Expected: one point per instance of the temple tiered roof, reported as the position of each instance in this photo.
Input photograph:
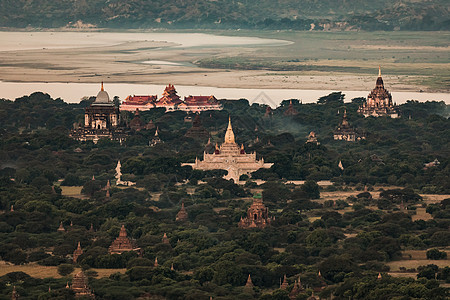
(80, 286)
(257, 215)
(379, 102)
(231, 157)
(122, 243)
(197, 131)
(347, 133)
(134, 102)
(171, 101)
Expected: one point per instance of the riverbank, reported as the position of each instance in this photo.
(234, 59)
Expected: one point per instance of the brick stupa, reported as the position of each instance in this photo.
(182, 214)
(80, 286)
(257, 215)
(122, 243)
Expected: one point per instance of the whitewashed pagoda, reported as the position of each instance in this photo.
(118, 176)
(379, 102)
(229, 156)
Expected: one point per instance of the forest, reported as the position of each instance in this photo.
(228, 14)
(341, 248)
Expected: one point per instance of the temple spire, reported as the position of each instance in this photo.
(379, 71)
(102, 87)
(123, 231)
(229, 135)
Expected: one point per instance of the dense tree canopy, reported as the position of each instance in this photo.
(349, 240)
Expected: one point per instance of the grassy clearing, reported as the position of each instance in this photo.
(38, 271)
(414, 263)
(421, 214)
(411, 259)
(72, 191)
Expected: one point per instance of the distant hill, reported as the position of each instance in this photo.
(262, 14)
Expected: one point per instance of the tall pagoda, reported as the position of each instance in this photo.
(229, 156)
(379, 102)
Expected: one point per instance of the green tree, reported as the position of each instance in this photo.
(436, 254)
(65, 269)
(311, 188)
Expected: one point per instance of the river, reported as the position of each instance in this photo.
(73, 92)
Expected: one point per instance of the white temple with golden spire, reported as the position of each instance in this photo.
(231, 157)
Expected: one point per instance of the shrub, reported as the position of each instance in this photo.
(436, 254)
(65, 269)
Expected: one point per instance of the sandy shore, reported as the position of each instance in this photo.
(123, 63)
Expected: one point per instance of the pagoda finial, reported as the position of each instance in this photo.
(379, 71)
(156, 262)
(249, 283)
(229, 135)
(79, 246)
(102, 87)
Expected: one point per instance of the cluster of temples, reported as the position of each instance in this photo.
(230, 157)
(379, 102)
(102, 120)
(171, 101)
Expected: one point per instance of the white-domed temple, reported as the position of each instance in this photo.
(101, 120)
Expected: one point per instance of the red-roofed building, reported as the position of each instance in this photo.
(200, 103)
(142, 103)
(169, 100)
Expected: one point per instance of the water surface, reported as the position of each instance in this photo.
(73, 92)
